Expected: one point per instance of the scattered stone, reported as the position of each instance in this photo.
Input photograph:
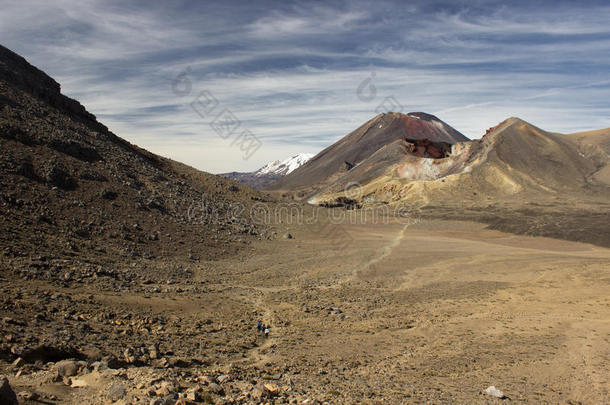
(76, 383)
(28, 395)
(223, 378)
(215, 389)
(116, 392)
(272, 389)
(166, 389)
(258, 394)
(109, 195)
(18, 363)
(153, 351)
(194, 394)
(68, 368)
(7, 395)
(206, 379)
(129, 356)
(494, 392)
(263, 391)
(288, 236)
(17, 349)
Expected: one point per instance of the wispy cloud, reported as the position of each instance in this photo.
(289, 71)
(305, 21)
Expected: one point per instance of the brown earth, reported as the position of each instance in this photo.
(425, 311)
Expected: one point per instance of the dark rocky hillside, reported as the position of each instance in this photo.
(78, 202)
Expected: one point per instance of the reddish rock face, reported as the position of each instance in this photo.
(428, 149)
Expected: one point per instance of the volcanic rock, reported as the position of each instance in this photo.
(7, 395)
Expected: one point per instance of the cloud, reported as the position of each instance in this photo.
(290, 73)
(316, 20)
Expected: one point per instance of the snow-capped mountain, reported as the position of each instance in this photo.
(286, 166)
(271, 171)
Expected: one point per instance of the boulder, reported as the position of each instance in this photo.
(68, 368)
(160, 363)
(59, 177)
(7, 395)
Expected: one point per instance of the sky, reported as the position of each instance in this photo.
(231, 85)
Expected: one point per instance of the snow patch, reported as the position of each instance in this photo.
(286, 166)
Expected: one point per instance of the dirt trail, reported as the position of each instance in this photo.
(257, 356)
(386, 251)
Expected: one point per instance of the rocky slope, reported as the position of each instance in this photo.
(595, 145)
(77, 201)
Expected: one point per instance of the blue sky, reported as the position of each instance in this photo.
(290, 71)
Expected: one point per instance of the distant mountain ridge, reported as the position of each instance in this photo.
(271, 172)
